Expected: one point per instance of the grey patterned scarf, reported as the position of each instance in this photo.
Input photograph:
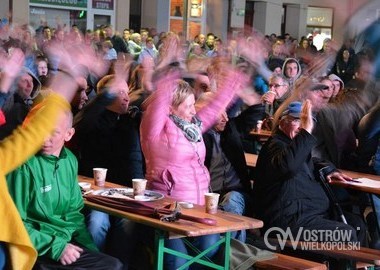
(192, 131)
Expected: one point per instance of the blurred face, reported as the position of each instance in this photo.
(202, 39)
(27, 37)
(336, 84)
(108, 31)
(144, 36)
(149, 45)
(346, 54)
(305, 43)
(60, 35)
(291, 70)
(202, 83)
(327, 47)
(210, 41)
(61, 134)
(120, 104)
(47, 33)
(290, 126)
(328, 92)
(276, 49)
(126, 35)
(80, 97)
(25, 86)
(137, 39)
(277, 70)
(42, 68)
(278, 86)
(365, 71)
(317, 99)
(96, 35)
(186, 109)
(221, 123)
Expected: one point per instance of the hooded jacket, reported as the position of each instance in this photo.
(291, 81)
(13, 152)
(334, 77)
(16, 108)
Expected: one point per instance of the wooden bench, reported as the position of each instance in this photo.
(285, 262)
(350, 257)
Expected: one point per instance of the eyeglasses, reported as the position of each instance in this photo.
(276, 85)
(293, 121)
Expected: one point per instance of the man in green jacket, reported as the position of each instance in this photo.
(48, 198)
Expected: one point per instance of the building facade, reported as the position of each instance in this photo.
(190, 17)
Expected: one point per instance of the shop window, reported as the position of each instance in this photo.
(192, 13)
(319, 24)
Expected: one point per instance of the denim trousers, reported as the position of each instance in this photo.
(3, 256)
(200, 242)
(237, 203)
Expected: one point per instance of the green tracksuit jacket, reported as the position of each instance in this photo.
(46, 193)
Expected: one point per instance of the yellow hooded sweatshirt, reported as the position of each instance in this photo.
(15, 150)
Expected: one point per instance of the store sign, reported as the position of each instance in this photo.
(102, 4)
(319, 16)
(66, 3)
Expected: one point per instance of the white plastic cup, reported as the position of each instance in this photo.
(139, 186)
(259, 125)
(211, 202)
(100, 176)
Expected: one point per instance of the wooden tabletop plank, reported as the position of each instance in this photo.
(373, 188)
(225, 221)
(262, 134)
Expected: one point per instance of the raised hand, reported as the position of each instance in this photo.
(253, 48)
(307, 116)
(73, 61)
(73, 58)
(10, 65)
(269, 97)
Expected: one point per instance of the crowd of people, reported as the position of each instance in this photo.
(178, 113)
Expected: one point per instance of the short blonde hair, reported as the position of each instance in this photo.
(181, 92)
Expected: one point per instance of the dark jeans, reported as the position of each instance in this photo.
(146, 236)
(200, 242)
(3, 255)
(87, 260)
(355, 227)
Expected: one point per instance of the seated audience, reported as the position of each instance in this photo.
(19, 104)
(171, 137)
(287, 191)
(107, 136)
(47, 195)
(225, 161)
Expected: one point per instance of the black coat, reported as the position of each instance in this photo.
(286, 189)
(106, 139)
(233, 149)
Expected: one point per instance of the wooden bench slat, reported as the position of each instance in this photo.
(366, 255)
(284, 262)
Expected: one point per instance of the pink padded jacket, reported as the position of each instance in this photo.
(174, 165)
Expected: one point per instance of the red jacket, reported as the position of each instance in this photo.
(2, 118)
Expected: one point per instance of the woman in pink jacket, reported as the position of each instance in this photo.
(171, 139)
